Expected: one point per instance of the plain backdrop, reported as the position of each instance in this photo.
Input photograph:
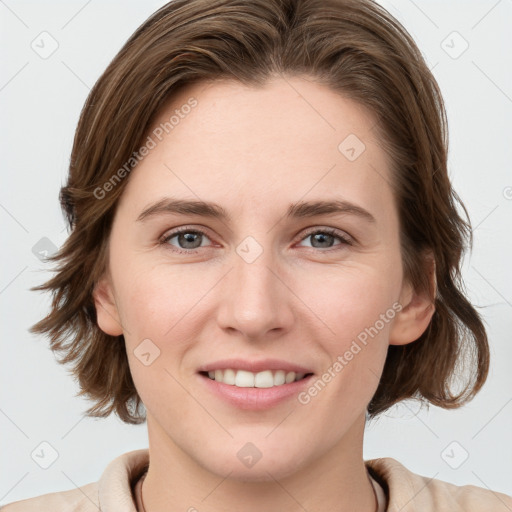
(467, 44)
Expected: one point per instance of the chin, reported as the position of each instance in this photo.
(245, 462)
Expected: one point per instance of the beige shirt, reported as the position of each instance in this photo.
(379, 494)
(403, 491)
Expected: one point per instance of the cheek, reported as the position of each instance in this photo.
(158, 301)
(357, 309)
(158, 312)
(359, 317)
(351, 300)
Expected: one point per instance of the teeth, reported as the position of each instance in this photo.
(245, 379)
(229, 377)
(279, 378)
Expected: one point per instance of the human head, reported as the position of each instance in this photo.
(353, 47)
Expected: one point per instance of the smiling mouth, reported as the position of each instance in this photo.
(246, 379)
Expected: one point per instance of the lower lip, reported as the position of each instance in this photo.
(255, 399)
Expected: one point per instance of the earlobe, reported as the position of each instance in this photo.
(106, 308)
(416, 313)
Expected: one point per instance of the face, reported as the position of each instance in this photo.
(287, 290)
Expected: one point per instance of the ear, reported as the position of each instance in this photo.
(417, 308)
(107, 313)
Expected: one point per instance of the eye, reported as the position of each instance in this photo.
(324, 238)
(187, 239)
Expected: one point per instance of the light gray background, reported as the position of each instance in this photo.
(40, 101)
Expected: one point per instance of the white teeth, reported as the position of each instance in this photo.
(264, 379)
(279, 378)
(245, 379)
(229, 377)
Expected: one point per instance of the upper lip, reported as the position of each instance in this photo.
(254, 366)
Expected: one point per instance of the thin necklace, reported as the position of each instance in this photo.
(143, 477)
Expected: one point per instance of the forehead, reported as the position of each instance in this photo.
(238, 145)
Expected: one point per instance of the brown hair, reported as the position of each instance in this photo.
(354, 47)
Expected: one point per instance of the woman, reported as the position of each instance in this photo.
(256, 336)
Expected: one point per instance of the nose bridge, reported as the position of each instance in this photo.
(255, 300)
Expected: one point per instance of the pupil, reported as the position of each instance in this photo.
(322, 237)
(189, 238)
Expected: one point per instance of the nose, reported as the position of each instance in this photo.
(255, 301)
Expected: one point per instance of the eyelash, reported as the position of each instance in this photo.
(329, 231)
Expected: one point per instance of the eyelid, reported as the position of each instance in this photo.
(171, 233)
(344, 237)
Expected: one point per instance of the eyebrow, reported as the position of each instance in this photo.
(301, 209)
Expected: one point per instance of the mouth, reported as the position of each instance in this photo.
(254, 384)
(246, 379)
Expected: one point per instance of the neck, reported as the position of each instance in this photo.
(336, 480)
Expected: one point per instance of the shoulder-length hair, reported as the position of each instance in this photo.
(356, 48)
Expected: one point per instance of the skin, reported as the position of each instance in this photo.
(300, 300)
